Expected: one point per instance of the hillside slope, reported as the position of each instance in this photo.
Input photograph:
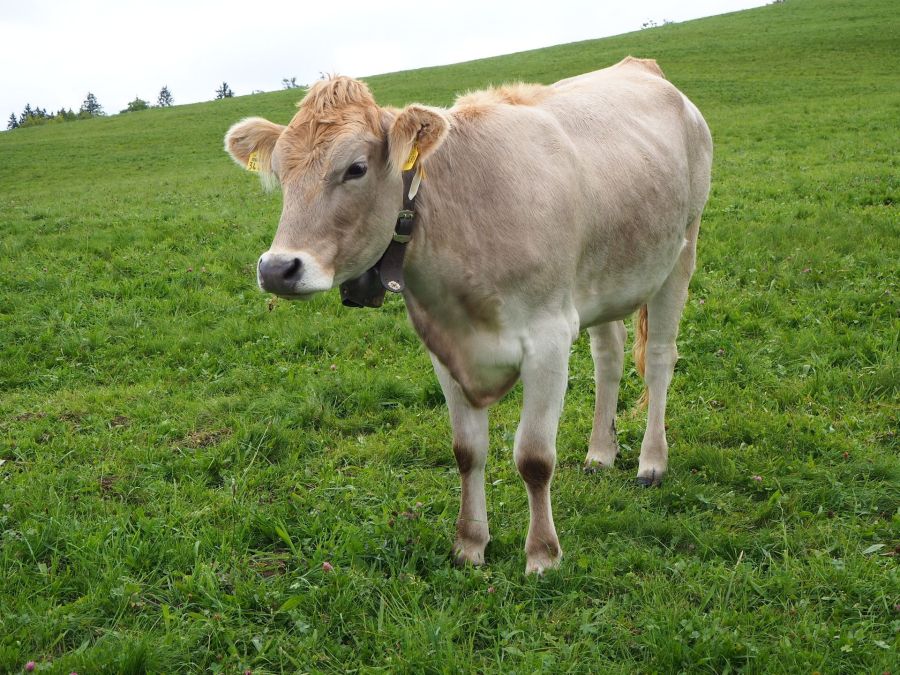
(179, 455)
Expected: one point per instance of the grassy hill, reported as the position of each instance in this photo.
(179, 455)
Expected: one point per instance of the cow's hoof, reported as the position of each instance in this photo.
(538, 564)
(465, 555)
(543, 557)
(600, 458)
(653, 480)
(592, 466)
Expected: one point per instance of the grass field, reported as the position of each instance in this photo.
(179, 455)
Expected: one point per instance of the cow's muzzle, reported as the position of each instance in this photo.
(280, 273)
(292, 274)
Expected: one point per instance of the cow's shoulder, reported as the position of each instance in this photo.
(476, 103)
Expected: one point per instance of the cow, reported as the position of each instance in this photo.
(540, 210)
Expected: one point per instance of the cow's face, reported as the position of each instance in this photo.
(339, 165)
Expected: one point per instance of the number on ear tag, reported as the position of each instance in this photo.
(252, 162)
(411, 160)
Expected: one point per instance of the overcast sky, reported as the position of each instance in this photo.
(55, 51)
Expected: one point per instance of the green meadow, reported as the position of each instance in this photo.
(180, 454)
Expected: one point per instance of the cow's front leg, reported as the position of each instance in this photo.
(544, 379)
(470, 446)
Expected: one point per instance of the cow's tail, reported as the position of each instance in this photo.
(640, 351)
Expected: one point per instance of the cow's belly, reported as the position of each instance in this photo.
(610, 292)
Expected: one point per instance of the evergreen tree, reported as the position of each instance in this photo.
(224, 91)
(27, 113)
(32, 117)
(165, 99)
(13, 122)
(91, 107)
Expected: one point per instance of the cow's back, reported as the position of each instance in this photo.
(633, 127)
(644, 153)
(585, 188)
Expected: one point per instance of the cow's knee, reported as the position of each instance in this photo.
(535, 464)
(536, 469)
(465, 458)
(472, 533)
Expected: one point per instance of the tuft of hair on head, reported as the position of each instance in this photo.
(327, 99)
(330, 107)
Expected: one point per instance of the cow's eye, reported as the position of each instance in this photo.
(356, 170)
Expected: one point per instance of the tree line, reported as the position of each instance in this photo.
(91, 107)
(164, 100)
(30, 117)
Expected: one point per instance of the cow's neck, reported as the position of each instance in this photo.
(451, 305)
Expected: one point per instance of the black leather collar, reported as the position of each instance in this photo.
(368, 289)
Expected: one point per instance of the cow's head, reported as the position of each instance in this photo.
(339, 165)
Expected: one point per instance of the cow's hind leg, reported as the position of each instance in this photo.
(470, 446)
(544, 378)
(660, 354)
(608, 350)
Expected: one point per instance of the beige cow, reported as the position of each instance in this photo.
(545, 210)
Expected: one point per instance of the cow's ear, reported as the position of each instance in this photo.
(416, 126)
(250, 143)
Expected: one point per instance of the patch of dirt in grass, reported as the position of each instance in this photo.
(119, 422)
(29, 416)
(73, 418)
(268, 567)
(205, 438)
(107, 483)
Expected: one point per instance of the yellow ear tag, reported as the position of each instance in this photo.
(411, 160)
(252, 163)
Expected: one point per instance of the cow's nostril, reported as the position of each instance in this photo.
(292, 268)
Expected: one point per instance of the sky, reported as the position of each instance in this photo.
(53, 52)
